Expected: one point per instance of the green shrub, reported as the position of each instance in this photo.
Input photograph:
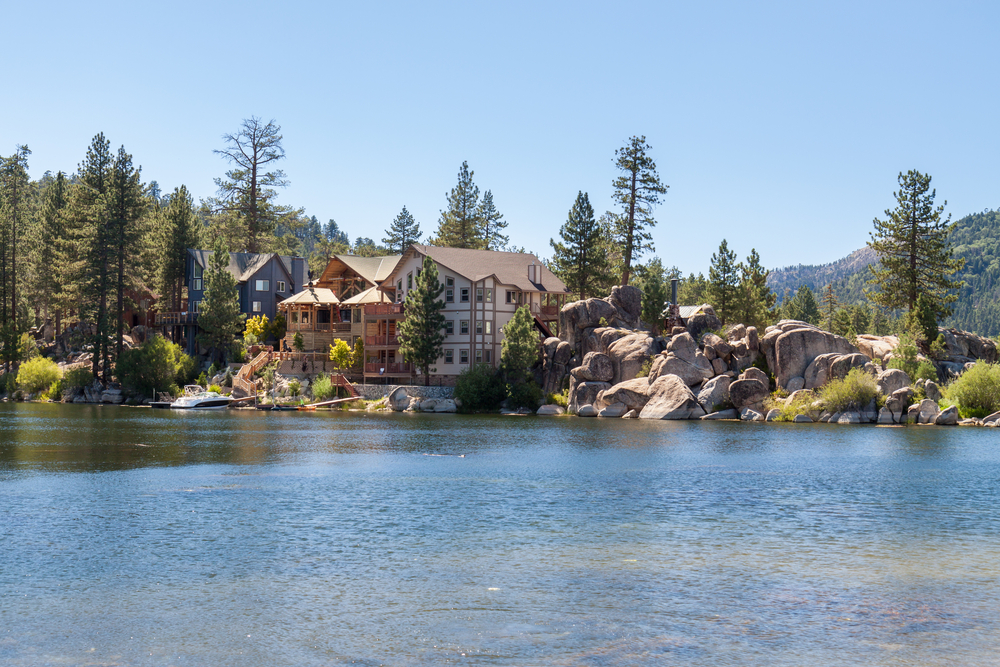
(802, 405)
(148, 368)
(216, 388)
(854, 393)
(322, 388)
(185, 366)
(646, 367)
(558, 399)
(524, 395)
(904, 357)
(38, 374)
(77, 378)
(480, 388)
(54, 392)
(976, 392)
(213, 370)
(294, 387)
(8, 383)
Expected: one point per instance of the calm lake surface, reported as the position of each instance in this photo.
(146, 537)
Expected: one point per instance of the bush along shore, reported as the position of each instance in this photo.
(607, 366)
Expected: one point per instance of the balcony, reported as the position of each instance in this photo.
(381, 341)
(383, 309)
(546, 313)
(166, 319)
(389, 369)
(335, 327)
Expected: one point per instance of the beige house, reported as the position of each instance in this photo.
(482, 290)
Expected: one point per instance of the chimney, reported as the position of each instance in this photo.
(673, 291)
(532, 270)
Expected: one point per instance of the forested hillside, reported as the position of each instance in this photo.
(975, 238)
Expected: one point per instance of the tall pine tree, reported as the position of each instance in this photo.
(127, 206)
(638, 190)
(579, 258)
(915, 257)
(47, 258)
(724, 282)
(421, 334)
(755, 301)
(180, 232)
(15, 210)
(492, 224)
(402, 233)
(460, 225)
(219, 315)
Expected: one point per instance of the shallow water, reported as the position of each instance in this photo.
(142, 537)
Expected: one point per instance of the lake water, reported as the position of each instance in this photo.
(145, 537)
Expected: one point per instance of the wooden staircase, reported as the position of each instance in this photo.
(244, 378)
(341, 381)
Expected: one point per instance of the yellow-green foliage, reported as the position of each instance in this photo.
(854, 393)
(37, 374)
(322, 388)
(558, 399)
(256, 326)
(976, 392)
(340, 354)
(802, 405)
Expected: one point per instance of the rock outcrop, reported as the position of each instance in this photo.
(671, 398)
(791, 346)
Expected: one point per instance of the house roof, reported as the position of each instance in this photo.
(370, 295)
(509, 268)
(372, 269)
(312, 296)
(242, 265)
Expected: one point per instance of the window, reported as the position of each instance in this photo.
(399, 285)
(479, 326)
(479, 295)
(409, 281)
(510, 296)
(488, 356)
(489, 327)
(281, 285)
(489, 296)
(479, 356)
(465, 295)
(463, 327)
(194, 306)
(463, 356)
(256, 309)
(196, 284)
(198, 271)
(449, 295)
(449, 356)
(262, 285)
(449, 327)
(449, 281)
(357, 315)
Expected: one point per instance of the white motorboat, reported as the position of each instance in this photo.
(201, 400)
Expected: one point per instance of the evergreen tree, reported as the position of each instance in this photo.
(802, 307)
(915, 257)
(126, 203)
(519, 349)
(754, 305)
(693, 290)
(492, 224)
(579, 259)
(724, 282)
(421, 334)
(402, 233)
(248, 191)
(829, 306)
(651, 278)
(638, 190)
(219, 315)
(15, 210)
(46, 257)
(460, 225)
(180, 229)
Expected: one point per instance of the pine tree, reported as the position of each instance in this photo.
(802, 307)
(15, 210)
(421, 334)
(127, 204)
(693, 290)
(754, 300)
(402, 233)
(247, 191)
(915, 257)
(519, 349)
(180, 232)
(492, 224)
(219, 315)
(723, 282)
(829, 306)
(579, 259)
(651, 278)
(46, 258)
(460, 225)
(638, 190)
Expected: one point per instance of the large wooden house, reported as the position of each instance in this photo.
(482, 290)
(330, 307)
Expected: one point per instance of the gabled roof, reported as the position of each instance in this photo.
(372, 269)
(509, 268)
(370, 295)
(312, 296)
(242, 265)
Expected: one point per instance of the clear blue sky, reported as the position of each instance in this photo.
(780, 126)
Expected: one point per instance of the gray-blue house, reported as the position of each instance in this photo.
(263, 280)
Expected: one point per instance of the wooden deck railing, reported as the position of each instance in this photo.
(166, 319)
(339, 380)
(381, 341)
(375, 309)
(390, 369)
